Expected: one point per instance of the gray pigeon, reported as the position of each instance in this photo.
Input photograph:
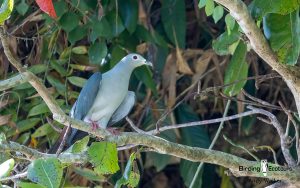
(105, 99)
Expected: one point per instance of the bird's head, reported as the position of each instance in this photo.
(136, 60)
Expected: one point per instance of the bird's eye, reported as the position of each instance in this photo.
(134, 57)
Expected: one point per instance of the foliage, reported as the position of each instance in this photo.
(72, 39)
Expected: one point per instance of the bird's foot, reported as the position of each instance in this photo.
(95, 125)
(114, 131)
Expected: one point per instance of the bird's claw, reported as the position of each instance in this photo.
(113, 131)
(95, 125)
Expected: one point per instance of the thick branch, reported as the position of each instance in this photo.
(12, 82)
(165, 147)
(291, 75)
(158, 144)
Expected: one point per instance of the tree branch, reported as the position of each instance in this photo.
(156, 143)
(13, 82)
(240, 13)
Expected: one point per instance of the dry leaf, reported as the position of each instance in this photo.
(142, 48)
(201, 64)
(142, 15)
(240, 108)
(5, 119)
(182, 65)
(169, 79)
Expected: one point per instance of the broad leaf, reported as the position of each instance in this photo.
(77, 34)
(129, 13)
(89, 174)
(209, 7)
(218, 13)
(225, 44)
(77, 81)
(22, 7)
(42, 131)
(283, 34)
(192, 136)
(5, 10)
(47, 7)
(116, 23)
(97, 52)
(27, 124)
(41, 108)
(173, 19)
(29, 185)
(130, 176)
(104, 157)
(259, 8)
(47, 172)
(6, 167)
(69, 21)
(80, 145)
(237, 70)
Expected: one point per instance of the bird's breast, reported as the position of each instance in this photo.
(111, 94)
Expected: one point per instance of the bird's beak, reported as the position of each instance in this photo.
(148, 63)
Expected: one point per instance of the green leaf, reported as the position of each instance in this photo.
(36, 69)
(283, 34)
(80, 145)
(130, 177)
(145, 75)
(2, 138)
(174, 21)
(209, 8)
(5, 10)
(116, 23)
(69, 21)
(41, 108)
(27, 124)
(218, 13)
(22, 8)
(60, 69)
(81, 50)
(47, 172)
(42, 131)
(223, 44)
(89, 174)
(29, 185)
(202, 3)
(259, 8)
(104, 157)
(191, 136)
(60, 87)
(77, 34)
(77, 81)
(236, 70)
(6, 167)
(100, 28)
(129, 13)
(60, 8)
(230, 22)
(24, 138)
(97, 52)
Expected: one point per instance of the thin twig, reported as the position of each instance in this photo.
(17, 176)
(212, 144)
(135, 127)
(240, 146)
(283, 139)
(56, 128)
(269, 148)
(290, 117)
(63, 141)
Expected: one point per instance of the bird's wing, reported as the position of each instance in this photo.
(87, 96)
(85, 101)
(124, 108)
